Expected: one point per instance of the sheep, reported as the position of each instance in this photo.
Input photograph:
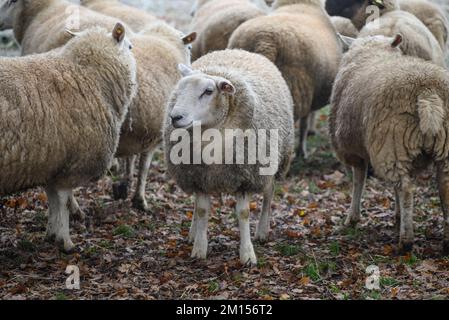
(39, 24)
(344, 27)
(61, 117)
(399, 125)
(216, 20)
(245, 93)
(158, 49)
(137, 19)
(301, 40)
(430, 14)
(418, 40)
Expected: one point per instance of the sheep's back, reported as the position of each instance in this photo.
(55, 126)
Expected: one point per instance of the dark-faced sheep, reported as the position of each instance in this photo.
(243, 94)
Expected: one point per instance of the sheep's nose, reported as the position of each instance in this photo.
(176, 118)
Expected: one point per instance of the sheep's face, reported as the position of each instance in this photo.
(200, 98)
(9, 11)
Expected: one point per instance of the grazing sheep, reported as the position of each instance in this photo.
(61, 117)
(300, 39)
(158, 50)
(137, 19)
(216, 20)
(399, 124)
(345, 27)
(229, 90)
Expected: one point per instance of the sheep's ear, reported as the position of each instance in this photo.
(378, 3)
(397, 40)
(119, 32)
(72, 33)
(189, 38)
(226, 87)
(346, 41)
(185, 70)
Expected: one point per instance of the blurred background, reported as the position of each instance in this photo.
(176, 12)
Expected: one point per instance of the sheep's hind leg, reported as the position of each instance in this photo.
(193, 226)
(202, 209)
(78, 216)
(58, 217)
(443, 186)
(121, 189)
(139, 201)
(359, 173)
(263, 229)
(301, 152)
(406, 234)
(247, 254)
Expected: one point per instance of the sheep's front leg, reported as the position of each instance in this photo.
(443, 186)
(247, 254)
(359, 178)
(303, 133)
(406, 234)
(139, 201)
(263, 229)
(200, 223)
(193, 227)
(75, 209)
(312, 124)
(58, 217)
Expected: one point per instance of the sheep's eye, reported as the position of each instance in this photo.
(207, 92)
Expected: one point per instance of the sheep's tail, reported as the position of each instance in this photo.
(431, 112)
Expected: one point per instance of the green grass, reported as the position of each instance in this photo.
(288, 250)
(213, 286)
(26, 245)
(312, 271)
(124, 230)
(334, 248)
(388, 282)
(61, 296)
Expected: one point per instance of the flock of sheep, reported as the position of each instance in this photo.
(121, 84)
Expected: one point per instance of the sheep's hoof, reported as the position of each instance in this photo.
(405, 247)
(199, 253)
(120, 190)
(352, 221)
(262, 237)
(446, 248)
(140, 204)
(311, 133)
(247, 256)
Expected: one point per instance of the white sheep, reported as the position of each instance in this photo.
(399, 124)
(61, 117)
(245, 93)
